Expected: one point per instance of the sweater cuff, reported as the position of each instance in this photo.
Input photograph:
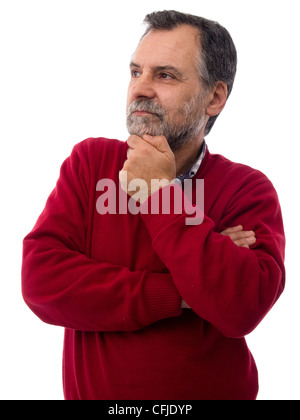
(167, 205)
(162, 298)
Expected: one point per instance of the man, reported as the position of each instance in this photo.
(156, 303)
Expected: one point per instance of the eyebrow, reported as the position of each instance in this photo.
(172, 69)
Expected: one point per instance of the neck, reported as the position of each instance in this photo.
(186, 156)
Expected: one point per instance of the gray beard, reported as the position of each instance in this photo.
(157, 124)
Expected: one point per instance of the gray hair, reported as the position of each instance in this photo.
(217, 60)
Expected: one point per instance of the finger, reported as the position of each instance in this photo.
(230, 230)
(245, 241)
(129, 151)
(133, 141)
(251, 240)
(242, 238)
(123, 179)
(249, 234)
(235, 236)
(159, 142)
(244, 234)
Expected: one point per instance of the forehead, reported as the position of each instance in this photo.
(177, 47)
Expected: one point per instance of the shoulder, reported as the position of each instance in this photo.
(237, 185)
(95, 146)
(235, 173)
(100, 152)
(246, 194)
(96, 157)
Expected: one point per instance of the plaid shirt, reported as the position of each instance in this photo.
(195, 167)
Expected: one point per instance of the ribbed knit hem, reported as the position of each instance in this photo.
(163, 299)
(162, 207)
(167, 205)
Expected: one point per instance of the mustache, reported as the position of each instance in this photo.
(146, 105)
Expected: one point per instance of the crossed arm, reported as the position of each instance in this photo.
(64, 287)
(240, 237)
(237, 292)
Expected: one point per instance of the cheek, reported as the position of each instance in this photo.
(129, 95)
(171, 104)
(174, 101)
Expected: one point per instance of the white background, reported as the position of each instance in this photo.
(63, 78)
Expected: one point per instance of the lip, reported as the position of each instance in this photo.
(142, 113)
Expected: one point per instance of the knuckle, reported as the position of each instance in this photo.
(132, 158)
(129, 152)
(241, 243)
(125, 166)
(132, 140)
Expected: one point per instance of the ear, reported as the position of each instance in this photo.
(216, 99)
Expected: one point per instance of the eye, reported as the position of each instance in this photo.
(135, 73)
(166, 76)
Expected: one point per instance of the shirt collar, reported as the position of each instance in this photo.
(195, 167)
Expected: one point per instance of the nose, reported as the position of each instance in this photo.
(142, 87)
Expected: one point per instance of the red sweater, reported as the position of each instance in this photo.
(116, 281)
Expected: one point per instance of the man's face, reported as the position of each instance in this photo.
(165, 96)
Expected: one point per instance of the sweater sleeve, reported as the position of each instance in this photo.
(231, 287)
(63, 286)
